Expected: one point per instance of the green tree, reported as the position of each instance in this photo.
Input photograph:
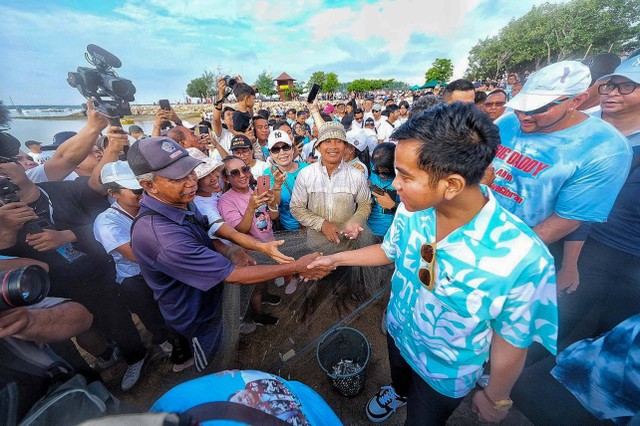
(202, 87)
(331, 83)
(317, 77)
(264, 84)
(441, 69)
(555, 32)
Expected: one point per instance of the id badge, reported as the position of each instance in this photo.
(69, 252)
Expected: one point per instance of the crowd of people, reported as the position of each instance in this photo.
(509, 212)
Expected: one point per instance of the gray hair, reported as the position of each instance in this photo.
(146, 177)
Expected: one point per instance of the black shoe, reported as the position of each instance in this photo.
(271, 299)
(265, 319)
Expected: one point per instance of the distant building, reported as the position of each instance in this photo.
(284, 83)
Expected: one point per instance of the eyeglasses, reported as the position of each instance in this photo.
(625, 88)
(494, 104)
(427, 275)
(137, 191)
(277, 149)
(237, 172)
(546, 107)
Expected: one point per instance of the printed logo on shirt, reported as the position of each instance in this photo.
(521, 161)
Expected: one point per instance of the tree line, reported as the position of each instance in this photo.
(554, 32)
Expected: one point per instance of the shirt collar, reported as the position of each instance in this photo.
(478, 227)
(172, 213)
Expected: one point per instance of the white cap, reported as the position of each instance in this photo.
(358, 138)
(208, 165)
(550, 83)
(629, 69)
(119, 172)
(278, 136)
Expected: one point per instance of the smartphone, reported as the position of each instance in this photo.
(264, 183)
(313, 93)
(164, 104)
(203, 130)
(377, 190)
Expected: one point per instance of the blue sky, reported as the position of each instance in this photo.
(163, 44)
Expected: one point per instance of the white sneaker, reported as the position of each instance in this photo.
(132, 374)
(279, 282)
(292, 286)
(166, 347)
(180, 367)
(103, 364)
(248, 327)
(384, 404)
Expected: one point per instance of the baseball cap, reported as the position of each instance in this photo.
(328, 109)
(278, 136)
(9, 145)
(369, 121)
(358, 138)
(135, 128)
(208, 165)
(377, 107)
(32, 142)
(601, 64)
(161, 156)
(119, 172)
(550, 83)
(240, 141)
(629, 69)
(331, 130)
(58, 139)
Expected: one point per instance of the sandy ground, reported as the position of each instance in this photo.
(301, 334)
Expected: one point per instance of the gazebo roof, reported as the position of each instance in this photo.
(284, 76)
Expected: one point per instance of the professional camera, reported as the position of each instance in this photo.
(9, 194)
(102, 81)
(23, 287)
(231, 82)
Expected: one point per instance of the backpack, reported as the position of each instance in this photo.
(71, 403)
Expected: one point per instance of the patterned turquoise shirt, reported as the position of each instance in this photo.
(493, 275)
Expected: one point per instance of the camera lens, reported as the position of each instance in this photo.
(23, 286)
(231, 82)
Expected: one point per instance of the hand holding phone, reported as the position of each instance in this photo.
(313, 93)
(264, 183)
(377, 190)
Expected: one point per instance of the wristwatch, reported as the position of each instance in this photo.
(499, 405)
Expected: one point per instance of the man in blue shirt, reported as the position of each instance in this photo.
(558, 167)
(471, 280)
(176, 256)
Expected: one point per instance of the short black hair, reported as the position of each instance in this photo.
(423, 103)
(279, 124)
(264, 113)
(227, 108)
(301, 112)
(493, 92)
(480, 98)
(404, 104)
(358, 111)
(460, 84)
(456, 138)
(391, 108)
(293, 110)
(242, 91)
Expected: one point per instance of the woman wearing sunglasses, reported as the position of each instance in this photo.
(252, 213)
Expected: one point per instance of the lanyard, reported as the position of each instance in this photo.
(122, 212)
(46, 195)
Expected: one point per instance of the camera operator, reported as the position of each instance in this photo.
(80, 268)
(23, 330)
(72, 152)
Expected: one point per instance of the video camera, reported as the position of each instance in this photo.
(102, 81)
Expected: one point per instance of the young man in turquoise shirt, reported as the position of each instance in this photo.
(471, 280)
